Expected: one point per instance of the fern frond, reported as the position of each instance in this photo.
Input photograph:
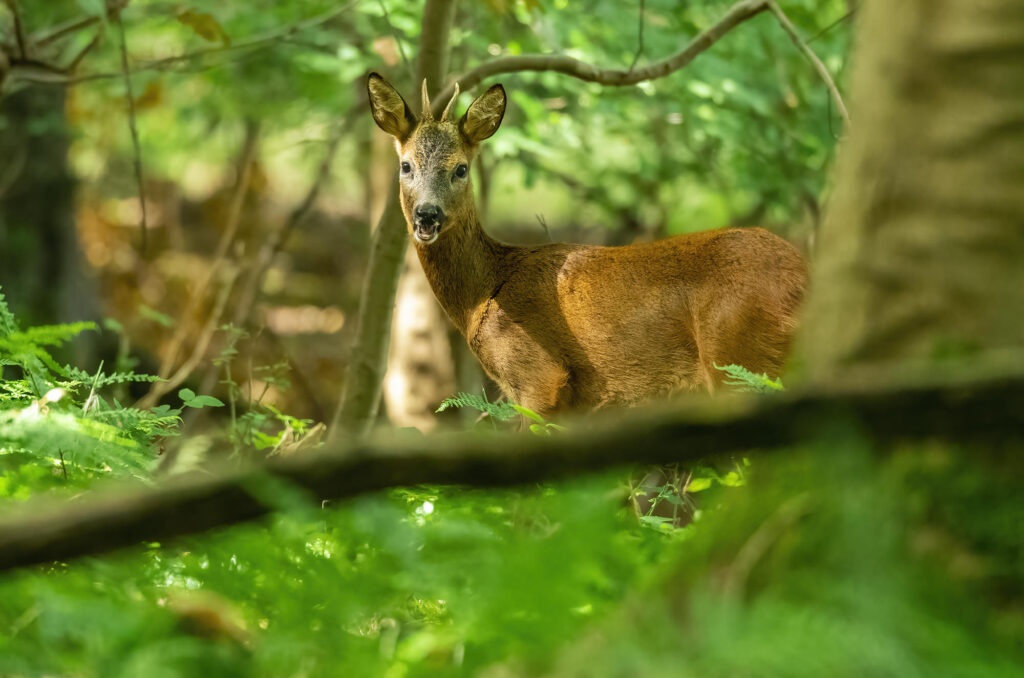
(501, 410)
(83, 377)
(55, 335)
(7, 322)
(743, 379)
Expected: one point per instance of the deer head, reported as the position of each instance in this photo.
(435, 155)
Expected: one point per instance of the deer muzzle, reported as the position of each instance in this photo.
(427, 223)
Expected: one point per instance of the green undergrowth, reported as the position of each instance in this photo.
(831, 559)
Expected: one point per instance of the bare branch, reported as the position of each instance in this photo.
(257, 42)
(41, 39)
(205, 336)
(398, 41)
(275, 240)
(48, 35)
(19, 33)
(136, 147)
(250, 148)
(849, 13)
(71, 67)
(639, 36)
(736, 15)
(984, 411)
(812, 57)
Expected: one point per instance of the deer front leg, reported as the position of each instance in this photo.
(526, 373)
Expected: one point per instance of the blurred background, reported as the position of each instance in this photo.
(264, 175)
(204, 181)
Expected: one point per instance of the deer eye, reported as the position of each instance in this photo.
(460, 171)
(406, 168)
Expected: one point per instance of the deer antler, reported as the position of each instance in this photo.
(455, 95)
(426, 114)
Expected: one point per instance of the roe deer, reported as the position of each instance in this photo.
(562, 326)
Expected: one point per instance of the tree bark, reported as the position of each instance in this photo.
(980, 410)
(41, 266)
(921, 254)
(364, 375)
(421, 370)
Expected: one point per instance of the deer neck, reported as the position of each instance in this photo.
(463, 268)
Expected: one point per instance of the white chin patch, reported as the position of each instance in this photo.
(426, 240)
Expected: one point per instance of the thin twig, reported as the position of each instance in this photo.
(274, 241)
(19, 34)
(256, 42)
(47, 35)
(199, 350)
(63, 466)
(826, 29)
(398, 41)
(544, 225)
(812, 57)
(85, 50)
(639, 36)
(64, 29)
(136, 147)
(198, 294)
(735, 15)
(758, 544)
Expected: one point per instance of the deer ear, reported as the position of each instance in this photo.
(483, 115)
(389, 109)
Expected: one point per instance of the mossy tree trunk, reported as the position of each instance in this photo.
(921, 254)
(361, 392)
(41, 268)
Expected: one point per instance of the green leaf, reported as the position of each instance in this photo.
(204, 25)
(94, 7)
(155, 316)
(186, 394)
(539, 430)
(204, 401)
(658, 523)
(698, 484)
(528, 413)
(731, 479)
(502, 411)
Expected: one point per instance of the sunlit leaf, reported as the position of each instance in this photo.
(204, 24)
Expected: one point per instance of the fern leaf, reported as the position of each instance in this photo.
(83, 377)
(743, 379)
(502, 411)
(55, 335)
(8, 324)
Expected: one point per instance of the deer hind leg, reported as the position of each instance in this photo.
(707, 375)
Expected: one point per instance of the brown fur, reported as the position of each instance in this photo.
(564, 326)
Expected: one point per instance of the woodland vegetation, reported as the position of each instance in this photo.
(238, 436)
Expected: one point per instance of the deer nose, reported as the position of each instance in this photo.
(429, 215)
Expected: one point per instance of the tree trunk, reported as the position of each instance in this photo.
(921, 255)
(364, 375)
(41, 267)
(421, 372)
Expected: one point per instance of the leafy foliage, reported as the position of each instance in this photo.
(55, 416)
(501, 410)
(743, 379)
(826, 559)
